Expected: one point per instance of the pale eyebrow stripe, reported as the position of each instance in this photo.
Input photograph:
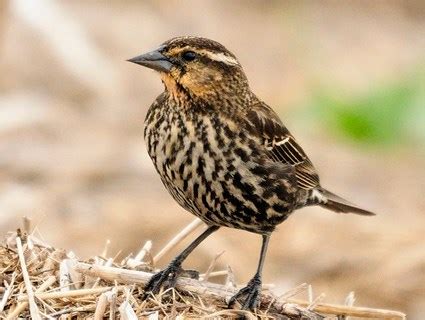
(216, 56)
(220, 57)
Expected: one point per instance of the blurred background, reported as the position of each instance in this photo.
(347, 78)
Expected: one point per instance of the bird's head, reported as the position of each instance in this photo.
(197, 67)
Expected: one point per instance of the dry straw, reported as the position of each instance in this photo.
(41, 282)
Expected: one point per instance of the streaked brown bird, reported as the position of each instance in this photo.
(223, 154)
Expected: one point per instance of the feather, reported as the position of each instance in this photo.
(335, 203)
(281, 145)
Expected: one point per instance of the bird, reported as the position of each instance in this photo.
(223, 154)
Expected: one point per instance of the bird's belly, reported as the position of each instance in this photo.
(208, 178)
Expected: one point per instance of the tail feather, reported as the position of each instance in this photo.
(335, 203)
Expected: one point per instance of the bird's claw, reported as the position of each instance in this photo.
(165, 278)
(248, 296)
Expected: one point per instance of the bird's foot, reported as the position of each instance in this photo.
(163, 279)
(248, 296)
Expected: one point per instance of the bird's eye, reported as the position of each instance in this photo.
(189, 55)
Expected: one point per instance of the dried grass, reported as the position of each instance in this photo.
(39, 281)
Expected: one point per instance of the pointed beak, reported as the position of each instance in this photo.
(154, 60)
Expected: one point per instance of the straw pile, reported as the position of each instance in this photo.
(39, 281)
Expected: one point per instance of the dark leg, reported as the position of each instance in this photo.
(168, 276)
(249, 295)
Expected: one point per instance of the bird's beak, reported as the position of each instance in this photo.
(154, 60)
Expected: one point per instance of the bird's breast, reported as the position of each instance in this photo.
(184, 149)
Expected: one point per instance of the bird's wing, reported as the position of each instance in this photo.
(281, 145)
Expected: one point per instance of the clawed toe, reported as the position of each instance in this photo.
(164, 279)
(248, 296)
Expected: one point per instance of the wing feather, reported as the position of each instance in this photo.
(281, 145)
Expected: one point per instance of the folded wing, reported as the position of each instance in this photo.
(281, 145)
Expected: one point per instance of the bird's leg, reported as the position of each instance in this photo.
(168, 276)
(249, 296)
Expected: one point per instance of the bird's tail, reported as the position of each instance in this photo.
(331, 201)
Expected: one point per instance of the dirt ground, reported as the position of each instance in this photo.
(73, 159)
